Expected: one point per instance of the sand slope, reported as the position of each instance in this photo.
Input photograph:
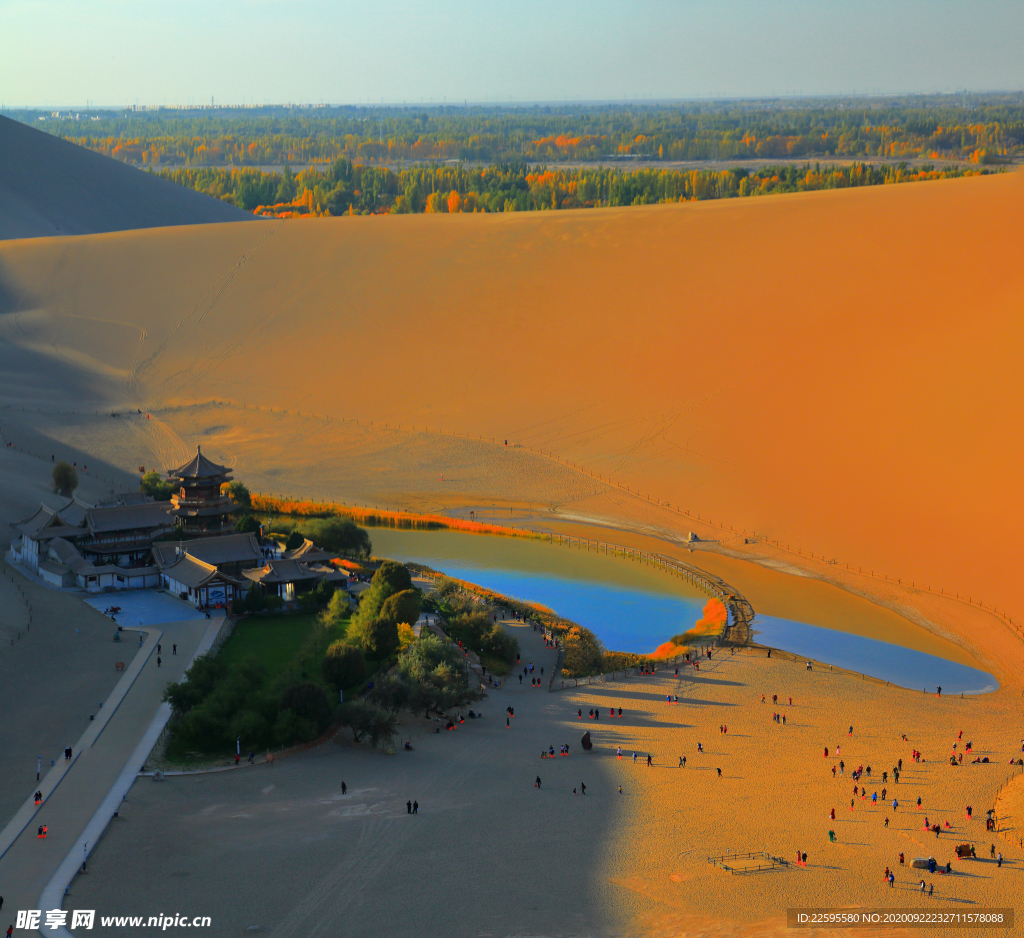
(834, 369)
(49, 186)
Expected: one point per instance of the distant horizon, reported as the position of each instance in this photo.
(143, 106)
(527, 51)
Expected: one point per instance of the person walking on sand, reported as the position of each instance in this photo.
(583, 788)
(415, 807)
(648, 760)
(892, 879)
(700, 747)
(408, 807)
(174, 649)
(719, 773)
(634, 758)
(536, 783)
(682, 762)
(618, 752)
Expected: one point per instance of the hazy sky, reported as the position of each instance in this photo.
(65, 52)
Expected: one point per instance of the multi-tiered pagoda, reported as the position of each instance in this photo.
(200, 508)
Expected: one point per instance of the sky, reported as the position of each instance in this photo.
(114, 52)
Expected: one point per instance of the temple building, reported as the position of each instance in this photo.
(290, 578)
(198, 505)
(93, 547)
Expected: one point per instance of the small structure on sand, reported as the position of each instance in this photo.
(757, 862)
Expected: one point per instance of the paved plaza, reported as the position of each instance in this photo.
(143, 607)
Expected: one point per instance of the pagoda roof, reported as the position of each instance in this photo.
(199, 468)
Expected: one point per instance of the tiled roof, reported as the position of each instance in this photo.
(281, 571)
(199, 468)
(129, 517)
(309, 553)
(227, 548)
(194, 573)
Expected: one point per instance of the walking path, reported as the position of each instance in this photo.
(82, 795)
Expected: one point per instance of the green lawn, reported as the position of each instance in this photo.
(271, 640)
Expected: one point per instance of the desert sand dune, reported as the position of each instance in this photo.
(836, 370)
(52, 187)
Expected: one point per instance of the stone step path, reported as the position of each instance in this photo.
(77, 791)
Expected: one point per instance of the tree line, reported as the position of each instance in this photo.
(982, 128)
(347, 188)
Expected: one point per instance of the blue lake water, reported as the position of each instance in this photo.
(635, 608)
(902, 666)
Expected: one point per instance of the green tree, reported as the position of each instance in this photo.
(395, 575)
(343, 665)
(295, 541)
(156, 486)
(286, 190)
(403, 607)
(247, 524)
(308, 701)
(240, 494)
(367, 719)
(65, 478)
(379, 638)
(338, 534)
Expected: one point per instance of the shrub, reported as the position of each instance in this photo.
(250, 726)
(247, 524)
(343, 666)
(290, 728)
(295, 541)
(480, 634)
(583, 652)
(338, 608)
(65, 478)
(446, 587)
(273, 603)
(253, 601)
(379, 638)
